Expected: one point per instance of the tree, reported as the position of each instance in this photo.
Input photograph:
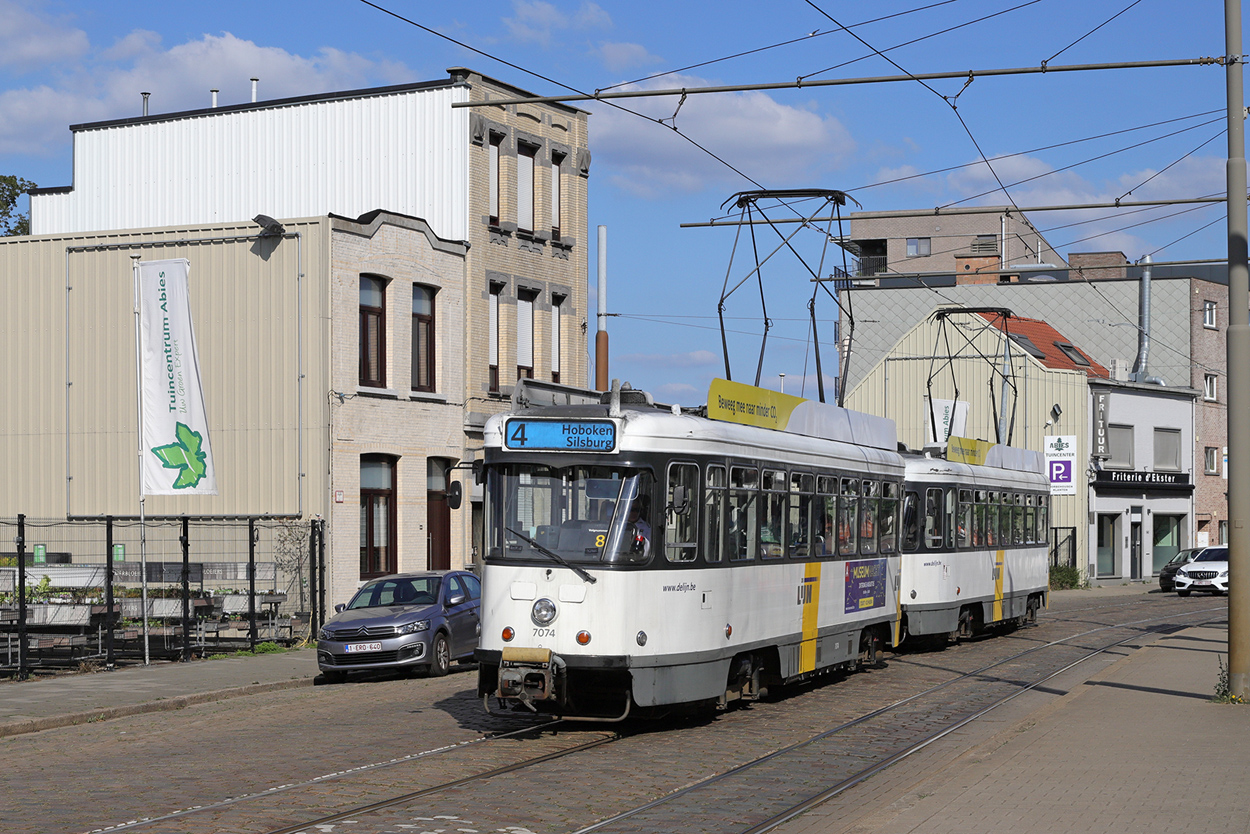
(11, 188)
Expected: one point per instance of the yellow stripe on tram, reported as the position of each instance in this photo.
(809, 598)
(998, 585)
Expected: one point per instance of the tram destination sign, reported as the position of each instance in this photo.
(560, 435)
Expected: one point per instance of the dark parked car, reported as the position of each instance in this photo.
(409, 621)
(1167, 573)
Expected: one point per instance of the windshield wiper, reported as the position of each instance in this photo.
(553, 556)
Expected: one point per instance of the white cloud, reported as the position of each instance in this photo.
(778, 145)
(30, 41)
(618, 57)
(179, 78)
(537, 21)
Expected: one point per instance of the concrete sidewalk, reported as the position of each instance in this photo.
(1138, 748)
(64, 700)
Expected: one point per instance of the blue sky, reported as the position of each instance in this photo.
(64, 62)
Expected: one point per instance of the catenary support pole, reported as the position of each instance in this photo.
(1238, 367)
(601, 334)
(313, 580)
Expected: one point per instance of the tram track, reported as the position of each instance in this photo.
(458, 793)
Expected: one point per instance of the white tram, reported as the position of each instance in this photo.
(752, 556)
(974, 542)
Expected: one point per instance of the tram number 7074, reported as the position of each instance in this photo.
(544, 632)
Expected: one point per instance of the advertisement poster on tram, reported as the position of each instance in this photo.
(865, 585)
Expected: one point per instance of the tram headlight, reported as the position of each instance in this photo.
(641, 638)
(543, 612)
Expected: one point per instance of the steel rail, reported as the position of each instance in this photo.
(860, 776)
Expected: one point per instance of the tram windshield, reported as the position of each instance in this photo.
(579, 513)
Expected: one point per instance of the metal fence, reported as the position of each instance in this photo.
(1063, 547)
(105, 587)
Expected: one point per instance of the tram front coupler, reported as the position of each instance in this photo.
(529, 675)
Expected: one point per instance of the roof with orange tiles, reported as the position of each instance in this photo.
(1048, 345)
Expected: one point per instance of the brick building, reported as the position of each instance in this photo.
(424, 257)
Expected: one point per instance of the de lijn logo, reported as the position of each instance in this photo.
(185, 455)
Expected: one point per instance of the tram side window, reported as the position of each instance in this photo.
(1017, 519)
(963, 532)
(991, 520)
(979, 514)
(887, 518)
(1004, 519)
(911, 521)
(1043, 531)
(933, 519)
(743, 511)
(868, 516)
(799, 523)
(714, 514)
(681, 520)
(848, 517)
(826, 509)
(773, 518)
(1030, 521)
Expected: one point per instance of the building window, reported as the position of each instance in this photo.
(1168, 449)
(525, 186)
(496, 142)
(1211, 460)
(918, 247)
(557, 160)
(557, 301)
(1210, 388)
(525, 334)
(372, 331)
(377, 515)
(1120, 445)
(422, 338)
(1208, 314)
(1070, 351)
(493, 327)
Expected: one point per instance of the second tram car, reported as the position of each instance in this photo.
(974, 549)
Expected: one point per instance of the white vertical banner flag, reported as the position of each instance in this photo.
(176, 456)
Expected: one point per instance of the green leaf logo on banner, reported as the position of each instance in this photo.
(184, 455)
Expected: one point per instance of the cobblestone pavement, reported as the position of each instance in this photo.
(110, 772)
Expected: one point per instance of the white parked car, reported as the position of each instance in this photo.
(1207, 572)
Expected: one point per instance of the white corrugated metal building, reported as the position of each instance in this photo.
(399, 211)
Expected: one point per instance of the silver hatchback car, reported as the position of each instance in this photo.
(410, 621)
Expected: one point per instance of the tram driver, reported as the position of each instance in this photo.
(639, 529)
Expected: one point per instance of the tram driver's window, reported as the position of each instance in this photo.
(714, 514)
(681, 516)
(933, 519)
(911, 522)
(743, 520)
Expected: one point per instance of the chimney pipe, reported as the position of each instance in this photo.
(255, 81)
(214, 92)
(1140, 366)
(601, 336)
(145, 102)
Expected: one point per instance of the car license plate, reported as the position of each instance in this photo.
(1202, 581)
(352, 648)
